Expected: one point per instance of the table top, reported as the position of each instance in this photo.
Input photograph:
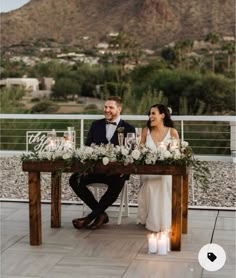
(110, 169)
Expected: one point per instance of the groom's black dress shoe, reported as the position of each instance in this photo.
(99, 221)
(81, 223)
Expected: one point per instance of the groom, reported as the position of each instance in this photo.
(101, 131)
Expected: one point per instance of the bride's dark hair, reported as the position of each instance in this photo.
(163, 110)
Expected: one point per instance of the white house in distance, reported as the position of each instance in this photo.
(30, 84)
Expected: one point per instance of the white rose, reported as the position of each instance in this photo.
(66, 155)
(162, 147)
(148, 161)
(48, 155)
(167, 154)
(184, 144)
(88, 150)
(177, 154)
(105, 160)
(135, 154)
(124, 151)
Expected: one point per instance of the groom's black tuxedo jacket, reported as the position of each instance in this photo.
(97, 132)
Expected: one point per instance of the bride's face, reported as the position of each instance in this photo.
(155, 117)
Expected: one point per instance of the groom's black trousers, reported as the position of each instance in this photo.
(79, 184)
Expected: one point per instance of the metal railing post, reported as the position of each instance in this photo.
(81, 132)
(182, 130)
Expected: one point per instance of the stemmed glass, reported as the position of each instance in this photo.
(66, 135)
(120, 138)
(138, 132)
(130, 139)
(120, 133)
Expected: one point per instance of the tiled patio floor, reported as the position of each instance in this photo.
(113, 251)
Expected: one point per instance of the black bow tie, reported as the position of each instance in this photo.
(110, 123)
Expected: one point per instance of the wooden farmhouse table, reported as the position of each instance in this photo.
(34, 169)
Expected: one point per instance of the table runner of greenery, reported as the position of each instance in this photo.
(89, 156)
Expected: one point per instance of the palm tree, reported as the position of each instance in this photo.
(188, 46)
(179, 50)
(229, 47)
(213, 39)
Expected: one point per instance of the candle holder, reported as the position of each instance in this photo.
(162, 243)
(162, 146)
(174, 144)
(71, 133)
(152, 243)
(52, 134)
(51, 140)
(167, 232)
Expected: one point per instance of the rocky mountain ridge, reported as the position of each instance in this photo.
(151, 23)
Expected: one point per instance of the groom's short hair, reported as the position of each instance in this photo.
(116, 99)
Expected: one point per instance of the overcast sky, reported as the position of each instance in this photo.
(9, 5)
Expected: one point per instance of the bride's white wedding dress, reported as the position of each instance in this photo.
(154, 197)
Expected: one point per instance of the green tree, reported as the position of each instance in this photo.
(65, 87)
(10, 100)
(53, 69)
(213, 39)
(169, 54)
(187, 46)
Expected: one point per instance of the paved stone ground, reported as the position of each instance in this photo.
(221, 191)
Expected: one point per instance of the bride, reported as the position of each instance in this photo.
(154, 197)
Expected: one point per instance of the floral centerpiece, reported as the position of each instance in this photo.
(169, 153)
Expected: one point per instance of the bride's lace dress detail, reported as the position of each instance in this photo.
(154, 197)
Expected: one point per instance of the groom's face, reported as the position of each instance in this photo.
(111, 110)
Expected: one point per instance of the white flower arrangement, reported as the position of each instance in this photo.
(165, 153)
(168, 153)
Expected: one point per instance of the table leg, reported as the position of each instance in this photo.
(56, 200)
(35, 208)
(176, 227)
(185, 205)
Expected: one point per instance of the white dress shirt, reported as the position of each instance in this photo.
(110, 129)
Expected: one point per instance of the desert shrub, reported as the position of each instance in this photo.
(35, 99)
(91, 107)
(44, 107)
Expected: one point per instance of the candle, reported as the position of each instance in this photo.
(168, 235)
(152, 243)
(162, 146)
(162, 244)
(67, 145)
(174, 144)
(71, 130)
(51, 145)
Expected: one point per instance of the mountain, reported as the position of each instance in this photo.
(151, 23)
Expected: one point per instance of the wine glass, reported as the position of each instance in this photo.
(130, 139)
(66, 135)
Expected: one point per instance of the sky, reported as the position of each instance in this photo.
(9, 5)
